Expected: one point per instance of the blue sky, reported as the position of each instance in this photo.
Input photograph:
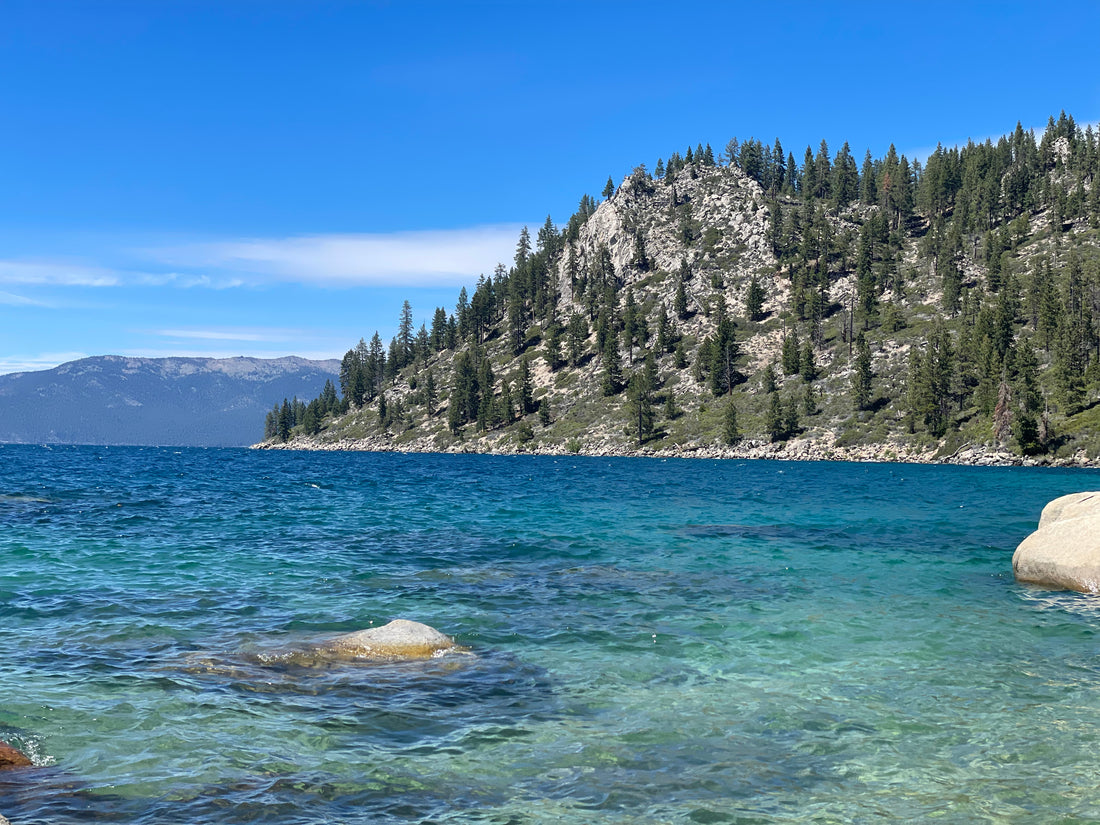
(275, 178)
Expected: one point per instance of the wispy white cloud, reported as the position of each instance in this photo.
(253, 335)
(428, 258)
(11, 299)
(56, 273)
(188, 280)
(34, 363)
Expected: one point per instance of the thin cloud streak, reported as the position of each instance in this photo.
(254, 335)
(37, 363)
(11, 299)
(428, 258)
(57, 273)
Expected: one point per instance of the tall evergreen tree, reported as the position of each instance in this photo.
(754, 300)
(526, 391)
(611, 382)
(861, 375)
(404, 349)
(577, 338)
(639, 407)
(731, 432)
(725, 352)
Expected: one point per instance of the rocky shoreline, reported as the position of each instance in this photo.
(821, 448)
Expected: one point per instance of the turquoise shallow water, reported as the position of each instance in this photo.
(654, 641)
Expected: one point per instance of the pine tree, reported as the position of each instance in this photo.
(465, 398)
(455, 415)
(526, 393)
(485, 380)
(639, 407)
(630, 325)
(868, 191)
(679, 300)
(523, 248)
(1029, 400)
(724, 353)
(861, 375)
(506, 408)
(731, 433)
(271, 424)
(552, 347)
(403, 352)
(768, 379)
(791, 353)
(578, 337)
(809, 400)
(807, 365)
(611, 382)
(790, 417)
(672, 412)
(754, 300)
(649, 369)
(774, 422)
(286, 421)
(679, 356)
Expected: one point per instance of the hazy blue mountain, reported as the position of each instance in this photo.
(206, 402)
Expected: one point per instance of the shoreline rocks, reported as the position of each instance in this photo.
(820, 446)
(1064, 551)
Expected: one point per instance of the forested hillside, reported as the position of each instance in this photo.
(761, 303)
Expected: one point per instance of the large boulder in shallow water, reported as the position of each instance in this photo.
(1064, 553)
(400, 639)
(12, 758)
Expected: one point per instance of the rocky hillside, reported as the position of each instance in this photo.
(204, 402)
(750, 305)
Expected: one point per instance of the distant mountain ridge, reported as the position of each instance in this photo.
(111, 399)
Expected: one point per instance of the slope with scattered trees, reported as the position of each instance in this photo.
(752, 303)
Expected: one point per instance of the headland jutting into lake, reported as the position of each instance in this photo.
(899, 309)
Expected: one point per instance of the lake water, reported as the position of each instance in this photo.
(652, 641)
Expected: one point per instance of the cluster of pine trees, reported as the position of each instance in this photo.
(982, 260)
(284, 418)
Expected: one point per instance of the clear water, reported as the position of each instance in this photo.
(654, 641)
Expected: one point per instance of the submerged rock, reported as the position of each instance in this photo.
(1064, 552)
(12, 758)
(400, 639)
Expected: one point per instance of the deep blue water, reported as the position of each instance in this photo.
(653, 641)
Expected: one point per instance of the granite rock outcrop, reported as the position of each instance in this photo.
(1064, 552)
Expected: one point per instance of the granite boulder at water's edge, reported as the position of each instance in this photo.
(1064, 552)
